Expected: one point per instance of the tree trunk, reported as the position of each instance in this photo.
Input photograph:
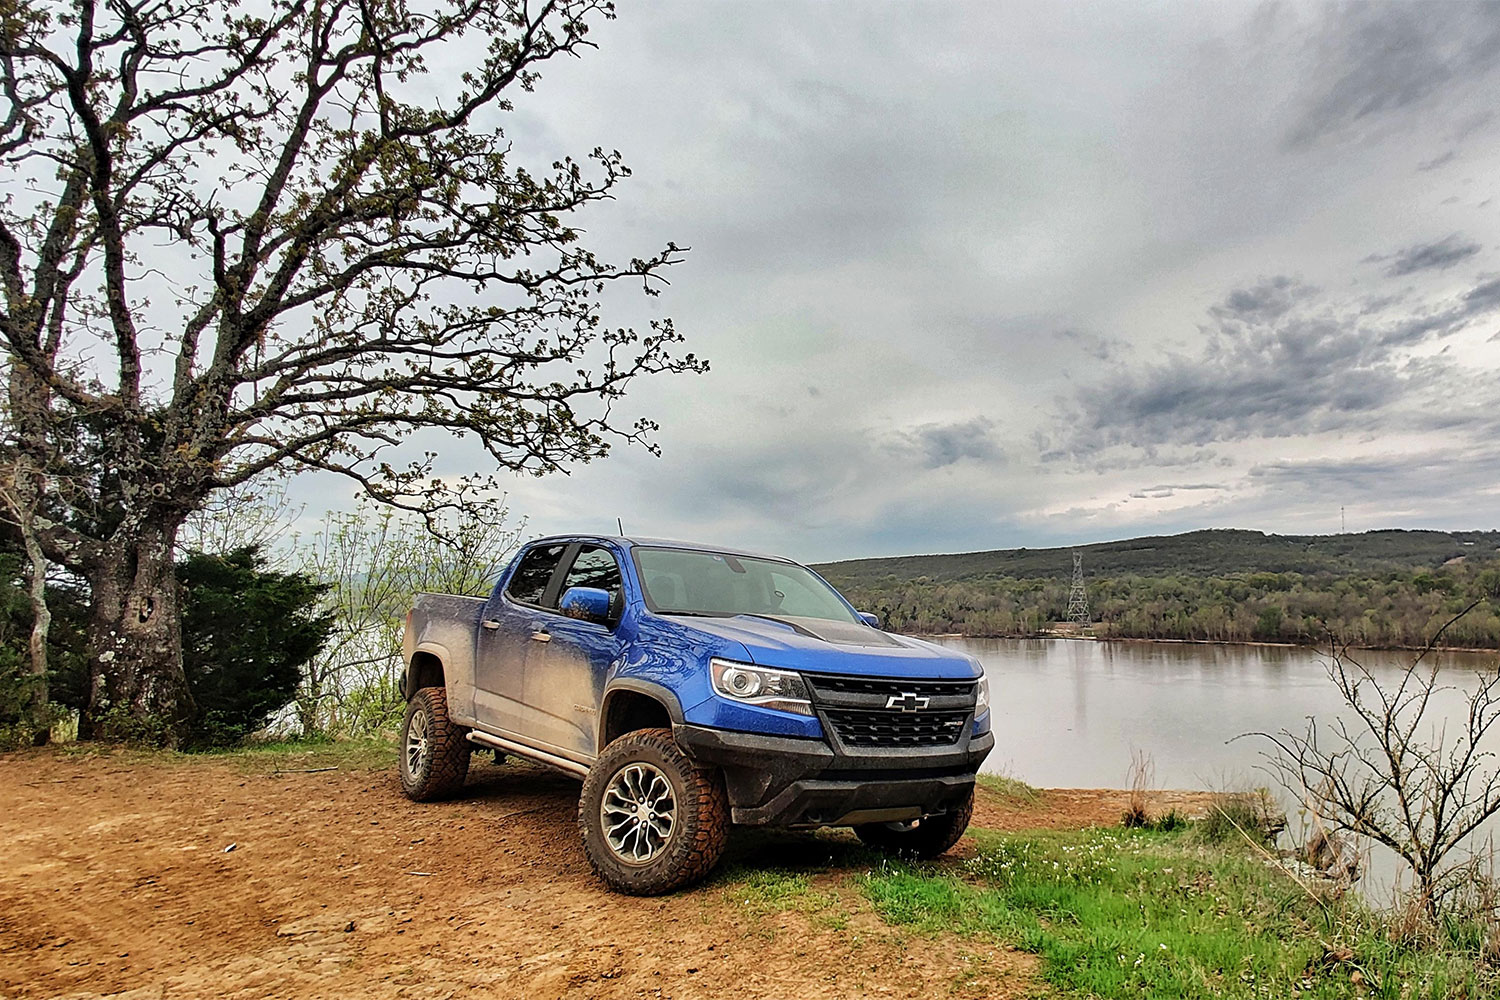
(137, 689)
(41, 624)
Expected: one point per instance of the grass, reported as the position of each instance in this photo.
(1153, 913)
(764, 891)
(1012, 789)
(260, 757)
(368, 754)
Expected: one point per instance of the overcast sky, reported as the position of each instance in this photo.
(992, 275)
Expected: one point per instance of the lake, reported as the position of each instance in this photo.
(1069, 712)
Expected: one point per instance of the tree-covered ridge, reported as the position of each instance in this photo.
(1385, 588)
(1213, 552)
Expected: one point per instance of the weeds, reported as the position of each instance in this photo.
(1142, 779)
(1012, 789)
(1233, 815)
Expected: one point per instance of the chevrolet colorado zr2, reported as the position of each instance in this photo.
(693, 688)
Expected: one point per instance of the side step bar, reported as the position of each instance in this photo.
(530, 753)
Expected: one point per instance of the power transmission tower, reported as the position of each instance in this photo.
(1078, 600)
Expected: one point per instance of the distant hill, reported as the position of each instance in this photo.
(1217, 552)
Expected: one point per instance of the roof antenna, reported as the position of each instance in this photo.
(621, 525)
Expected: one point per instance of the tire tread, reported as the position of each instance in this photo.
(704, 803)
(448, 762)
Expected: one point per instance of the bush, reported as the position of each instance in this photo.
(246, 633)
(1234, 815)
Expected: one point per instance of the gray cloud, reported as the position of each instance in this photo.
(1437, 161)
(1281, 361)
(1439, 256)
(1167, 490)
(1371, 61)
(1096, 347)
(936, 446)
(1482, 298)
(1391, 479)
(1266, 300)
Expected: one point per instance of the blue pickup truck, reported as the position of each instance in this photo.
(693, 688)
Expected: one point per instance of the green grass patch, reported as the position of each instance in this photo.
(1010, 788)
(307, 755)
(766, 890)
(252, 758)
(1153, 913)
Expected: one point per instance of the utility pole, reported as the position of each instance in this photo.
(1078, 599)
(1343, 527)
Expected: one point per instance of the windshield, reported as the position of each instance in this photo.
(688, 581)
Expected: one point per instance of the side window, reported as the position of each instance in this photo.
(596, 567)
(529, 584)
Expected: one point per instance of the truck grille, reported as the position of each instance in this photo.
(859, 728)
(856, 710)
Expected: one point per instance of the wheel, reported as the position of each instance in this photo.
(652, 820)
(434, 752)
(925, 838)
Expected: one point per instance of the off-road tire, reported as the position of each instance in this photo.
(700, 829)
(927, 839)
(441, 771)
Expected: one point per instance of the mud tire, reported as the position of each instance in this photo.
(700, 829)
(441, 770)
(927, 839)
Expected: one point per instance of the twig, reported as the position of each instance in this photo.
(302, 770)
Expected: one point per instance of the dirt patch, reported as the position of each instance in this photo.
(175, 877)
(1076, 808)
(116, 881)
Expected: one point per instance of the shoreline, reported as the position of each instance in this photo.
(1206, 642)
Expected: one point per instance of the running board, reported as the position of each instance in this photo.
(530, 753)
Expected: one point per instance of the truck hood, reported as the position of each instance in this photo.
(816, 645)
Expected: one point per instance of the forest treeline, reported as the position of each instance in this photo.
(1398, 606)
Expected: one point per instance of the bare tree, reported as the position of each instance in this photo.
(256, 514)
(239, 240)
(373, 561)
(1399, 772)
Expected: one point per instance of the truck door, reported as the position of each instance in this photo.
(509, 628)
(565, 677)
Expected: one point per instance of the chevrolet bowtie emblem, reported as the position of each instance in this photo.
(907, 701)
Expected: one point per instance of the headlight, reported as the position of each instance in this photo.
(752, 685)
(982, 704)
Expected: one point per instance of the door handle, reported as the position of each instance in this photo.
(540, 636)
(490, 624)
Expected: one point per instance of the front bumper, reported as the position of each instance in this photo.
(784, 781)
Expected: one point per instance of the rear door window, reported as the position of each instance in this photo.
(529, 584)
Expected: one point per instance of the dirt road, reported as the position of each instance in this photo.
(115, 880)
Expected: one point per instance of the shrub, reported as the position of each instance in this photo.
(246, 632)
(1234, 815)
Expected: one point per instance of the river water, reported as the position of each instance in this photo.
(1068, 712)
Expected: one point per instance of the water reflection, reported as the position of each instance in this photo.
(1068, 713)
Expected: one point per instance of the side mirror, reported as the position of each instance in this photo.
(588, 604)
(872, 620)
